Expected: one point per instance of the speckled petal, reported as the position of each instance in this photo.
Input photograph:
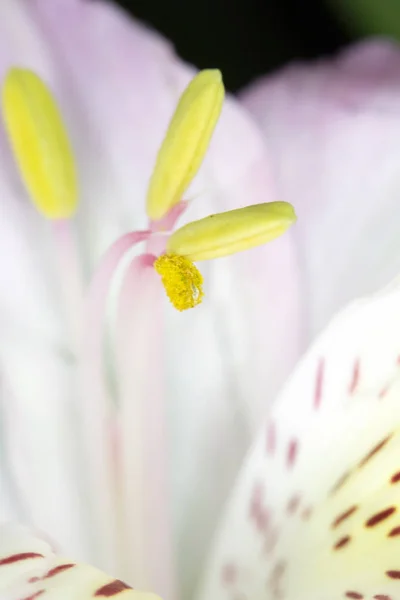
(29, 569)
(316, 511)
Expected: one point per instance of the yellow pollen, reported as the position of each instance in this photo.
(182, 280)
(40, 143)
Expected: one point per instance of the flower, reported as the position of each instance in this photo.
(107, 503)
(76, 404)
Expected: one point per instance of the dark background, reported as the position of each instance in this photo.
(244, 38)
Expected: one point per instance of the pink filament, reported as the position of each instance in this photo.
(168, 222)
(95, 405)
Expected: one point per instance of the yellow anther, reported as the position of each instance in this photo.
(186, 142)
(232, 231)
(40, 143)
(182, 281)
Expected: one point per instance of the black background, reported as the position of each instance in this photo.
(244, 38)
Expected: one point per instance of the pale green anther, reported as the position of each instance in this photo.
(40, 143)
(233, 231)
(186, 142)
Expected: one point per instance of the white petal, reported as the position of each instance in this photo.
(315, 511)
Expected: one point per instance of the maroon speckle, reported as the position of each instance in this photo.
(293, 504)
(262, 520)
(355, 378)
(355, 595)
(112, 589)
(382, 597)
(342, 542)
(36, 595)
(393, 574)
(343, 516)
(395, 478)
(340, 482)
(58, 569)
(380, 516)
(306, 513)
(374, 450)
(229, 573)
(8, 560)
(271, 438)
(275, 580)
(292, 453)
(319, 382)
(256, 497)
(271, 541)
(257, 511)
(33, 579)
(395, 531)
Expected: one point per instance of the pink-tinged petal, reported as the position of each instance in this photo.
(117, 85)
(24, 235)
(315, 512)
(37, 369)
(29, 569)
(333, 130)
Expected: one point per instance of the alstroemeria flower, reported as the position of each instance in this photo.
(83, 450)
(91, 384)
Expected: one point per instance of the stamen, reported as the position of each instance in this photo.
(186, 142)
(233, 231)
(182, 281)
(40, 143)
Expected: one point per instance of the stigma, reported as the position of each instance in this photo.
(182, 280)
